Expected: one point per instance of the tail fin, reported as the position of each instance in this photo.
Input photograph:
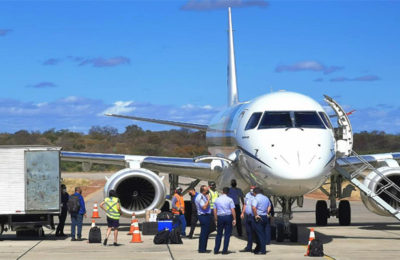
(232, 85)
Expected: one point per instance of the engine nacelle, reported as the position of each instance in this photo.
(138, 190)
(374, 182)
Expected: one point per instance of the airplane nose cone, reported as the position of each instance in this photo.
(301, 158)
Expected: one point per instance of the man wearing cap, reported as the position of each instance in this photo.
(225, 218)
(213, 196)
(204, 215)
(248, 216)
(178, 209)
(261, 206)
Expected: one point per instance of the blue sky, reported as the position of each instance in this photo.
(65, 63)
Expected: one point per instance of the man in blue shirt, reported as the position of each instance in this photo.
(248, 216)
(225, 217)
(77, 217)
(261, 207)
(204, 215)
(237, 195)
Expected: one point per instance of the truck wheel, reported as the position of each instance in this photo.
(40, 232)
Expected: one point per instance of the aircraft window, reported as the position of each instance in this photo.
(325, 119)
(308, 120)
(275, 120)
(253, 121)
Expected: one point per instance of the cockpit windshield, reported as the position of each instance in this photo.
(326, 119)
(253, 121)
(275, 120)
(288, 119)
(308, 120)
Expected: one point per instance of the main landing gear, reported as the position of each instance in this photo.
(283, 229)
(343, 212)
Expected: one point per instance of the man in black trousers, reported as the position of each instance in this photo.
(193, 218)
(64, 211)
(237, 195)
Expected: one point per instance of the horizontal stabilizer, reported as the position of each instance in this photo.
(164, 122)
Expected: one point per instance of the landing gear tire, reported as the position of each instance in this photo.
(293, 233)
(321, 213)
(280, 232)
(273, 232)
(344, 213)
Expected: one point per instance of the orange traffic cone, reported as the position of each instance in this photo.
(136, 238)
(95, 211)
(93, 223)
(311, 238)
(132, 224)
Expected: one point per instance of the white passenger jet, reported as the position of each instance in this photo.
(282, 142)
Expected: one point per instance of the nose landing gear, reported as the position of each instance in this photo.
(283, 229)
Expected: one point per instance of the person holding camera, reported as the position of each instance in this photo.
(178, 209)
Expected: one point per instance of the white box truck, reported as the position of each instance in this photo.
(29, 188)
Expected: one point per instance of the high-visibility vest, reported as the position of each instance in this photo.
(111, 206)
(180, 204)
(214, 196)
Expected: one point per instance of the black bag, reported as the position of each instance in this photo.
(161, 237)
(73, 204)
(175, 236)
(95, 235)
(149, 228)
(316, 248)
(166, 215)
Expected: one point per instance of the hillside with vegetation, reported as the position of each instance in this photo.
(135, 140)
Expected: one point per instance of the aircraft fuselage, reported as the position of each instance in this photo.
(282, 142)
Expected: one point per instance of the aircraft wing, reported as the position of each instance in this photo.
(189, 167)
(164, 122)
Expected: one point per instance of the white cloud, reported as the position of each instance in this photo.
(119, 107)
(79, 114)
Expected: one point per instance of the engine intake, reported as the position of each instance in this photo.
(374, 182)
(138, 190)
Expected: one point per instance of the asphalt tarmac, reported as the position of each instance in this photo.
(369, 237)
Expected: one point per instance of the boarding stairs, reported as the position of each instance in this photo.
(354, 172)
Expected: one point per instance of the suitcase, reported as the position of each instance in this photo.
(149, 228)
(95, 235)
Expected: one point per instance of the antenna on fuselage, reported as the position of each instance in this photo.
(232, 83)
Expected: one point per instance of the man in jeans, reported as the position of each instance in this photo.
(77, 217)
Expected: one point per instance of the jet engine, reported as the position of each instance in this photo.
(374, 182)
(138, 190)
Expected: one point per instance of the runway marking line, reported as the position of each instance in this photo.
(27, 251)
